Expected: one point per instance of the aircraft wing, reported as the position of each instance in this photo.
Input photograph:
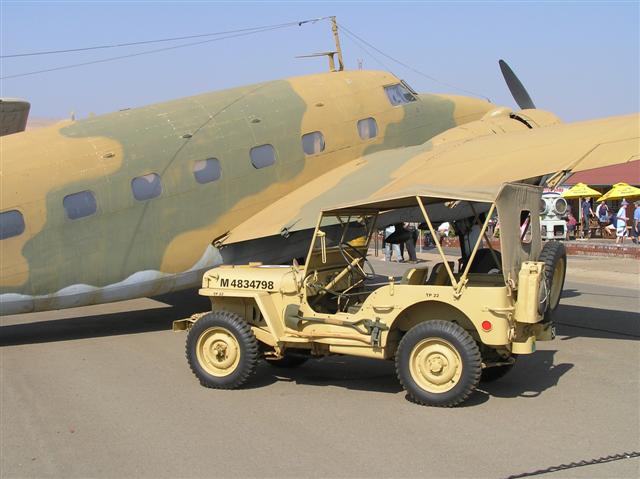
(13, 115)
(465, 163)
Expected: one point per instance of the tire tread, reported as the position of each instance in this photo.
(245, 338)
(473, 368)
(551, 253)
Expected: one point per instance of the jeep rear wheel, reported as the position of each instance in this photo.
(222, 351)
(438, 363)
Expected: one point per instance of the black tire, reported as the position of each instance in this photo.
(554, 257)
(288, 361)
(427, 340)
(493, 374)
(237, 350)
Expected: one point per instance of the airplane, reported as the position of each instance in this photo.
(126, 204)
(142, 201)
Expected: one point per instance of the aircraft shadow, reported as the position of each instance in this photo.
(585, 322)
(179, 305)
(571, 322)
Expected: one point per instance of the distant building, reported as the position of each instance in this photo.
(608, 176)
(602, 179)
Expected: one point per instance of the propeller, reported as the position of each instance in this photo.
(517, 89)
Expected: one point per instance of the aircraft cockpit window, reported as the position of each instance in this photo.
(408, 87)
(399, 94)
(262, 156)
(11, 224)
(79, 205)
(206, 171)
(313, 143)
(367, 128)
(146, 187)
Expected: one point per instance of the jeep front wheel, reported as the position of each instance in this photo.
(222, 351)
(438, 363)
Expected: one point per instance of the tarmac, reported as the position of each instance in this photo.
(105, 391)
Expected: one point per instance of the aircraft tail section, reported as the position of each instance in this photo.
(14, 113)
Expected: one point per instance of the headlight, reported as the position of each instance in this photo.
(560, 205)
(544, 206)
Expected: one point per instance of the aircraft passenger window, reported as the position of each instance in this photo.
(11, 224)
(206, 171)
(146, 187)
(367, 128)
(313, 143)
(399, 94)
(79, 205)
(262, 156)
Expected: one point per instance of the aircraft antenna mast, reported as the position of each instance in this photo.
(330, 55)
(336, 37)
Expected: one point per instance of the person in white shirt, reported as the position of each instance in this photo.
(443, 231)
(621, 222)
(389, 248)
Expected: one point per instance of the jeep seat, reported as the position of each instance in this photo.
(439, 275)
(415, 276)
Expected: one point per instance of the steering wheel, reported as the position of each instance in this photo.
(359, 266)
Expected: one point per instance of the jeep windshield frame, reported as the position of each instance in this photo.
(333, 230)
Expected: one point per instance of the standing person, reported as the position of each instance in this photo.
(490, 226)
(603, 212)
(571, 226)
(388, 231)
(443, 231)
(400, 229)
(389, 248)
(621, 222)
(636, 222)
(587, 212)
(410, 244)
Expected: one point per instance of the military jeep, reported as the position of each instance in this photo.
(447, 326)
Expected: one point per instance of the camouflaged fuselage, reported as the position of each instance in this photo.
(130, 248)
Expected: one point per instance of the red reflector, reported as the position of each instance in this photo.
(486, 325)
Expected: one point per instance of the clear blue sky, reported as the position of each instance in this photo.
(580, 59)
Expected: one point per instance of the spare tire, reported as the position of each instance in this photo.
(554, 257)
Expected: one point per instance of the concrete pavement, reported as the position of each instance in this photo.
(105, 391)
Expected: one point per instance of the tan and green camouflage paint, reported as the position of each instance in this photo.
(131, 248)
(488, 152)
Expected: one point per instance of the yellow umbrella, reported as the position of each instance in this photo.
(577, 191)
(580, 190)
(619, 191)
